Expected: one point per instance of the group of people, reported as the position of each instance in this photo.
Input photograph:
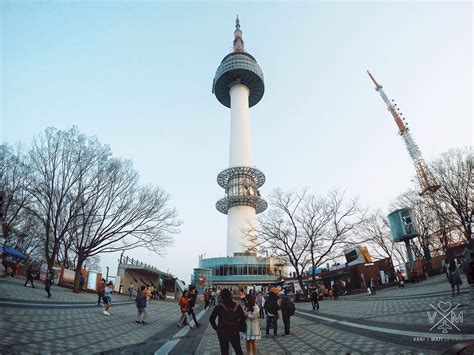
(151, 291)
(104, 293)
(11, 267)
(236, 320)
(187, 303)
(48, 278)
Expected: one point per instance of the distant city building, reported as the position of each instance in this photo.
(239, 85)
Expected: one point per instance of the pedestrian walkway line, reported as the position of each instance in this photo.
(393, 331)
(57, 305)
(170, 344)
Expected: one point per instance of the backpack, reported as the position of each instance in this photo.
(291, 308)
(229, 323)
(271, 306)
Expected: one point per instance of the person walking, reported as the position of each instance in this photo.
(100, 291)
(260, 301)
(130, 290)
(183, 305)
(372, 286)
(192, 295)
(107, 299)
(231, 321)
(141, 302)
(252, 329)
(81, 282)
(314, 298)
(48, 281)
(29, 275)
(271, 311)
(287, 310)
(454, 277)
(213, 297)
(17, 268)
(401, 283)
(335, 290)
(207, 297)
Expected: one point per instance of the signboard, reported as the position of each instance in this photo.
(68, 276)
(117, 284)
(92, 280)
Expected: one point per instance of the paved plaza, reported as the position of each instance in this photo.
(393, 321)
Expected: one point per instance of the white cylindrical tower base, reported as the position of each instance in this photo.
(240, 153)
(240, 221)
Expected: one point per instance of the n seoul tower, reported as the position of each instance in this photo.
(238, 85)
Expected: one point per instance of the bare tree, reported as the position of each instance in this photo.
(454, 170)
(330, 223)
(14, 183)
(116, 213)
(304, 229)
(280, 232)
(58, 161)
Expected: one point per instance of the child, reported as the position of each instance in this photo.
(107, 299)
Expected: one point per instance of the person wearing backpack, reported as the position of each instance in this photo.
(231, 321)
(271, 311)
(287, 310)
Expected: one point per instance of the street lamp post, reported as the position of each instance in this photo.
(107, 275)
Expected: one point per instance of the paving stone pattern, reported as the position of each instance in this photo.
(43, 328)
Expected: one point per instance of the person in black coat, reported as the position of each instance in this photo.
(192, 295)
(231, 321)
(315, 299)
(271, 311)
(286, 307)
(29, 275)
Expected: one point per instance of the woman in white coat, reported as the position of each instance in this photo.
(252, 332)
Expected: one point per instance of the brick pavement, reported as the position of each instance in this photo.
(87, 330)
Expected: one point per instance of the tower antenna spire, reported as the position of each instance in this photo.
(428, 185)
(238, 41)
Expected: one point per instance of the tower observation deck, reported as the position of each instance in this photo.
(238, 85)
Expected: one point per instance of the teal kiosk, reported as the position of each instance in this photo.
(403, 228)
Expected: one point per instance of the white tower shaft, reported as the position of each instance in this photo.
(240, 219)
(238, 85)
(240, 153)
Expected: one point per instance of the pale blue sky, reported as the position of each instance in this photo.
(138, 76)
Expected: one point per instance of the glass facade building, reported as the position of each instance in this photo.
(238, 270)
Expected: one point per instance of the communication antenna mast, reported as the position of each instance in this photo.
(428, 185)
